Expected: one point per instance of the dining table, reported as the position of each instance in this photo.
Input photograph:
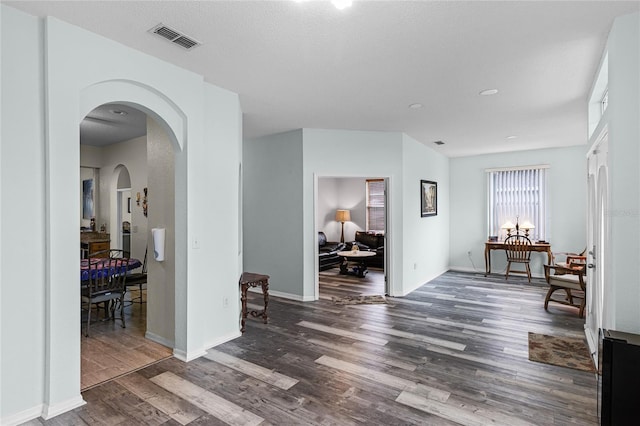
(100, 267)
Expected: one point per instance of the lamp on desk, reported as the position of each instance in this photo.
(343, 216)
(508, 227)
(527, 226)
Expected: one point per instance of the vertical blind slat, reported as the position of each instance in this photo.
(518, 194)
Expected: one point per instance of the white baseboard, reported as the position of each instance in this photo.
(406, 291)
(188, 356)
(22, 416)
(592, 342)
(289, 296)
(465, 269)
(49, 411)
(159, 339)
(475, 271)
(223, 339)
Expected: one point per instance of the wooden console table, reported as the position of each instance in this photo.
(499, 245)
(249, 279)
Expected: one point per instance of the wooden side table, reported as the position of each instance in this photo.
(249, 279)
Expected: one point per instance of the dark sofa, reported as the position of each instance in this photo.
(373, 242)
(328, 252)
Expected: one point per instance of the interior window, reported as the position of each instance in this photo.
(519, 196)
(375, 205)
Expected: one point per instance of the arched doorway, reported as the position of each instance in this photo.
(127, 172)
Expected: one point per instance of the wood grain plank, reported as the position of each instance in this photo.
(345, 333)
(268, 376)
(207, 401)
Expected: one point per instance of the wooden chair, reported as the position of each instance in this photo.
(569, 260)
(518, 250)
(105, 282)
(569, 278)
(138, 279)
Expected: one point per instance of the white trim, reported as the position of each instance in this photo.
(158, 339)
(223, 339)
(289, 296)
(592, 342)
(507, 169)
(188, 356)
(49, 411)
(418, 285)
(22, 416)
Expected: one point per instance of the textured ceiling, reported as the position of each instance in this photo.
(307, 64)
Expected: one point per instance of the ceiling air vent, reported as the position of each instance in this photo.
(175, 36)
(439, 143)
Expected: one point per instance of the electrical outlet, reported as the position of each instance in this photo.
(415, 266)
(225, 302)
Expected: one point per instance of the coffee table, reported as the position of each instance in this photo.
(358, 257)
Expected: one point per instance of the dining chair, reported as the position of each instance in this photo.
(571, 279)
(518, 250)
(107, 272)
(138, 279)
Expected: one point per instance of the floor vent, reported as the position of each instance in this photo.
(175, 37)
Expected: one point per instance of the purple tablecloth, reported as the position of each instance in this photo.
(103, 267)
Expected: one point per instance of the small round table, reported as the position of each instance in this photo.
(358, 256)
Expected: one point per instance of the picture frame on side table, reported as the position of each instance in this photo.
(428, 198)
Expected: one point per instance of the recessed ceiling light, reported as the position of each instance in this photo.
(416, 106)
(118, 112)
(488, 92)
(341, 4)
(512, 137)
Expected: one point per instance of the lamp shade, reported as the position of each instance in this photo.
(527, 225)
(508, 225)
(343, 215)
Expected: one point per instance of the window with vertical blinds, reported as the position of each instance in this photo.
(375, 205)
(518, 194)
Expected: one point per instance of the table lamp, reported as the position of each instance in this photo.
(527, 226)
(343, 216)
(508, 226)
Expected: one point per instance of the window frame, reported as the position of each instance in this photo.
(378, 219)
(538, 216)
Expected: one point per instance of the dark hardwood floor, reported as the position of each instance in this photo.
(452, 352)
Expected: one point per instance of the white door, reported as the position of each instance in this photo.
(597, 237)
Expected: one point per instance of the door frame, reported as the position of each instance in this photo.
(388, 249)
(597, 316)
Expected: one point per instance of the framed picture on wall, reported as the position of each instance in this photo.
(428, 198)
(87, 199)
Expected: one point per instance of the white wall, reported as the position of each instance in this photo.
(425, 248)
(327, 206)
(22, 180)
(566, 204)
(269, 171)
(64, 72)
(341, 193)
(272, 216)
(623, 290)
(161, 283)
(131, 154)
(404, 162)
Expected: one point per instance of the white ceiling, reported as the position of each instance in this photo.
(307, 64)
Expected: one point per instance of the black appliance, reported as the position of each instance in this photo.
(619, 381)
